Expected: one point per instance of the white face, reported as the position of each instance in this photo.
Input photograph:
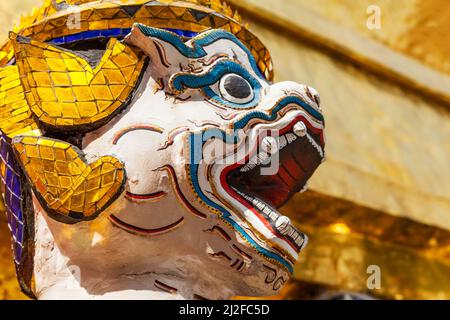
(204, 179)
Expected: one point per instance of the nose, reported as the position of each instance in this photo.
(313, 95)
(287, 88)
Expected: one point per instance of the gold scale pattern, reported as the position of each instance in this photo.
(49, 87)
(68, 185)
(15, 114)
(66, 91)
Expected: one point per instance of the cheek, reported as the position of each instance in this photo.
(139, 151)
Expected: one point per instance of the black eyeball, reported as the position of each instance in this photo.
(236, 89)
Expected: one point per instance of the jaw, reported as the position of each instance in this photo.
(252, 182)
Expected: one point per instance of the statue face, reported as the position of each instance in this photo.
(210, 150)
(159, 164)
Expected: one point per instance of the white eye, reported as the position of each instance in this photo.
(236, 89)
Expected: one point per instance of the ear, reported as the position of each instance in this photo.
(70, 189)
(164, 57)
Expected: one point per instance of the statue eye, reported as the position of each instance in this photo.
(236, 89)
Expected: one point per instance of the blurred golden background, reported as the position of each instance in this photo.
(383, 196)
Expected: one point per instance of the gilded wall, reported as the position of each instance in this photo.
(382, 197)
(415, 27)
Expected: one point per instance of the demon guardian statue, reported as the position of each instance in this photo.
(144, 151)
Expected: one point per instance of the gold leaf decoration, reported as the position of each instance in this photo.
(64, 181)
(64, 91)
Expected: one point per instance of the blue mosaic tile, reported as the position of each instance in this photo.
(12, 196)
(91, 34)
(73, 37)
(110, 33)
(113, 33)
(58, 41)
(183, 33)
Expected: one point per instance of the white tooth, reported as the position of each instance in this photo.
(251, 166)
(273, 215)
(267, 210)
(262, 157)
(253, 160)
(239, 192)
(270, 145)
(283, 142)
(291, 137)
(291, 232)
(315, 145)
(300, 129)
(282, 224)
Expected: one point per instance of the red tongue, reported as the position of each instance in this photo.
(298, 161)
(270, 189)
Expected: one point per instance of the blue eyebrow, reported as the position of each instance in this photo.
(274, 112)
(195, 81)
(198, 43)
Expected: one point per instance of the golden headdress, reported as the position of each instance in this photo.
(56, 18)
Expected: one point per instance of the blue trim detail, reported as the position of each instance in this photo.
(13, 198)
(226, 215)
(195, 81)
(283, 103)
(91, 34)
(73, 37)
(183, 33)
(112, 33)
(197, 50)
(108, 33)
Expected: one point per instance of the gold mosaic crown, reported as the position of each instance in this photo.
(52, 6)
(57, 19)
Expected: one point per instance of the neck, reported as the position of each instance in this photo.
(59, 276)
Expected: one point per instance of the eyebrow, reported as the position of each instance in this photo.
(198, 43)
(151, 128)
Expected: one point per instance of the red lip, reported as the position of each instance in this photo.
(298, 161)
(149, 196)
(141, 231)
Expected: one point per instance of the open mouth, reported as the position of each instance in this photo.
(298, 149)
